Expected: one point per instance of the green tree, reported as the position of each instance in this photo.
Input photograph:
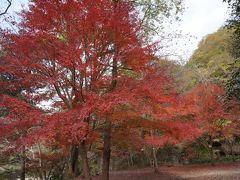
(233, 83)
(211, 60)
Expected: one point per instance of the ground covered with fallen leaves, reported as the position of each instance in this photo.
(224, 171)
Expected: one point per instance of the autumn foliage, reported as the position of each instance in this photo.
(87, 59)
(216, 116)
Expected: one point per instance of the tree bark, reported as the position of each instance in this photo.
(23, 165)
(142, 158)
(83, 154)
(108, 124)
(74, 160)
(43, 174)
(131, 159)
(231, 149)
(106, 151)
(155, 161)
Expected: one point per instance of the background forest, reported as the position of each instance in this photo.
(85, 88)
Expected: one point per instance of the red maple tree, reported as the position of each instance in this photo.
(74, 53)
(17, 127)
(217, 118)
(88, 59)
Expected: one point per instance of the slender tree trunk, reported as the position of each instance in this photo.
(43, 175)
(23, 165)
(106, 151)
(231, 149)
(155, 161)
(23, 170)
(211, 151)
(148, 157)
(142, 158)
(128, 161)
(131, 159)
(83, 154)
(211, 156)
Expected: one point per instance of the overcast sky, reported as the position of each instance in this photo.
(201, 17)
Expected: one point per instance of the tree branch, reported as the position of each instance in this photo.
(6, 10)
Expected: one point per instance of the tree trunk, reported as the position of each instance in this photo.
(106, 151)
(211, 156)
(23, 165)
(131, 159)
(108, 124)
(231, 149)
(43, 175)
(155, 161)
(211, 151)
(83, 154)
(142, 158)
(74, 161)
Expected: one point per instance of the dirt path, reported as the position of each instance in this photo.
(227, 171)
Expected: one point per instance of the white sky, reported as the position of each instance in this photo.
(201, 17)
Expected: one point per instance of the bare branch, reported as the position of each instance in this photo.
(6, 10)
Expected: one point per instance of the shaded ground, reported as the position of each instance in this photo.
(227, 171)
